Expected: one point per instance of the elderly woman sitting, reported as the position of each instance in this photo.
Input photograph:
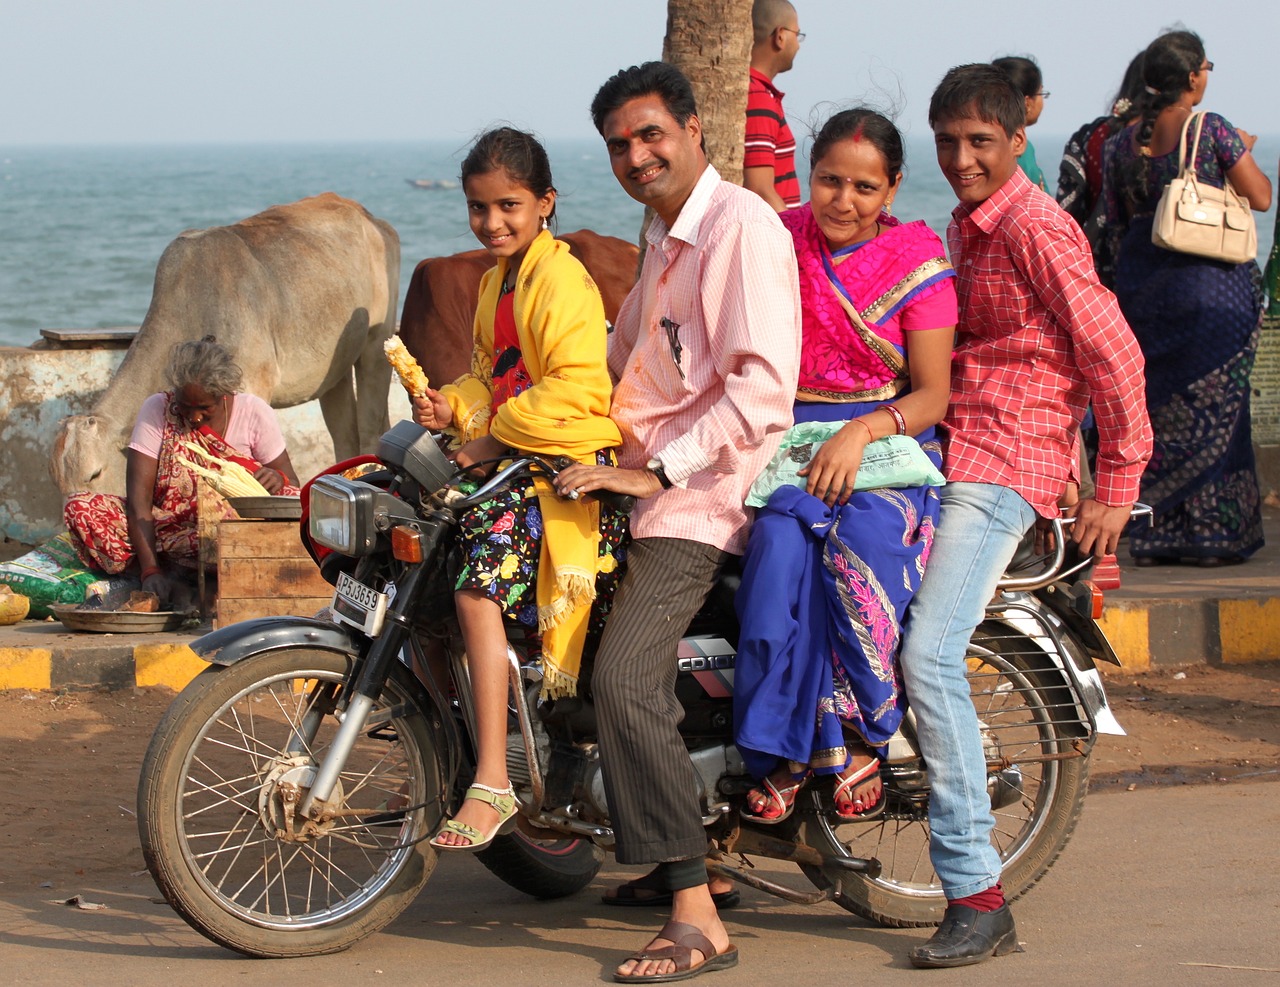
(156, 523)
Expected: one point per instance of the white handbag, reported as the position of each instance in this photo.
(1193, 217)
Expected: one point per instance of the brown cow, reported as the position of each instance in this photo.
(440, 305)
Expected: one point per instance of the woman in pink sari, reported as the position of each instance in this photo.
(156, 524)
(828, 572)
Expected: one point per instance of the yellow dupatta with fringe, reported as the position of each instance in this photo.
(560, 324)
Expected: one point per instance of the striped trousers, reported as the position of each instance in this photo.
(650, 782)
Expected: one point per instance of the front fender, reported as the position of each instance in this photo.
(228, 645)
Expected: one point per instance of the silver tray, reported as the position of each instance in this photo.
(267, 508)
(121, 621)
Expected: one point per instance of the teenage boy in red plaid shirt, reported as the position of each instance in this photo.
(1038, 339)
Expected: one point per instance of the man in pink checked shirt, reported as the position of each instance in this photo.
(705, 357)
(1038, 339)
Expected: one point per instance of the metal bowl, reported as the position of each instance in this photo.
(121, 621)
(267, 508)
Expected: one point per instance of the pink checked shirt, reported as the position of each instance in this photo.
(1038, 339)
(725, 273)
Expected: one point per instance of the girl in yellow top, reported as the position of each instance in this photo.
(539, 382)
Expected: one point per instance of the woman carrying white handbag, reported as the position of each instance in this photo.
(1196, 317)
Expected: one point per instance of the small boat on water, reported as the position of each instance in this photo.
(432, 183)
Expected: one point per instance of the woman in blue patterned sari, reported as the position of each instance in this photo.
(828, 572)
(1196, 320)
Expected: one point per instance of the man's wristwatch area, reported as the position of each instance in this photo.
(654, 466)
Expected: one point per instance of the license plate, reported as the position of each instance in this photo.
(359, 605)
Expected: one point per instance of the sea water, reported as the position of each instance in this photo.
(82, 228)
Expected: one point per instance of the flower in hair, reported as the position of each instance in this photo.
(1121, 107)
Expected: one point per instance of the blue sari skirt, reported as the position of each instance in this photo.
(823, 597)
(1197, 322)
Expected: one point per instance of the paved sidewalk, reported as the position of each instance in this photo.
(1167, 615)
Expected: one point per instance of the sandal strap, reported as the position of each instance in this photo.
(863, 774)
(502, 800)
(461, 829)
(685, 938)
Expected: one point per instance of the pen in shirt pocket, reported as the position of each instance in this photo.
(673, 341)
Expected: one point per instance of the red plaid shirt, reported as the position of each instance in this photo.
(1038, 339)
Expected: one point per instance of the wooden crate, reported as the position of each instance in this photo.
(263, 571)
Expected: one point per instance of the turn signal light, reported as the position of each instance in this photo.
(406, 543)
(1095, 599)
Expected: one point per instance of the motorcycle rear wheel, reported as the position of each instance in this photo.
(542, 868)
(213, 794)
(1016, 706)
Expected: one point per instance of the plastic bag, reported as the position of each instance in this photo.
(894, 461)
(52, 573)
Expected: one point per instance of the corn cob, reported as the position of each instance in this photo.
(228, 478)
(402, 361)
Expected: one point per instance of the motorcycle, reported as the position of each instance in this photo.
(288, 794)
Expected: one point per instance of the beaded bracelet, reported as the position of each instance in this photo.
(896, 415)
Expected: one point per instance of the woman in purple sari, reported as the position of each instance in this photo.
(828, 572)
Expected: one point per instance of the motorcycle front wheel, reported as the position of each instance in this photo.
(221, 781)
(1036, 780)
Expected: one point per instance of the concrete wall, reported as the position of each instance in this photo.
(42, 386)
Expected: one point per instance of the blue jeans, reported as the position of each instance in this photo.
(979, 529)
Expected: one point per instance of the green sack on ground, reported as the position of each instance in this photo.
(52, 573)
(894, 461)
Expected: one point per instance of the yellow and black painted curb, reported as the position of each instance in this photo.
(110, 666)
(1231, 631)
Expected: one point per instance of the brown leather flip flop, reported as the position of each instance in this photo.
(686, 938)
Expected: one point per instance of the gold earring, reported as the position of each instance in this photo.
(888, 208)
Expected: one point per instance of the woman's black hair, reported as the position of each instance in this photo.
(862, 122)
(981, 89)
(1129, 96)
(1167, 65)
(519, 154)
(1023, 72)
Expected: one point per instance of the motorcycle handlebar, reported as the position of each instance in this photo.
(1054, 563)
(531, 465)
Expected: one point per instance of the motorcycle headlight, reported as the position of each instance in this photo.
(342, 515)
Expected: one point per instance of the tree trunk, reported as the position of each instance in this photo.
(710, 42)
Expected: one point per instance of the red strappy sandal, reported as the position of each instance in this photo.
(772, 804)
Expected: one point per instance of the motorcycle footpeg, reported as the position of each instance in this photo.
(869, 866)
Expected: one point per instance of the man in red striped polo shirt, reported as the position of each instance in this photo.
(769, 161)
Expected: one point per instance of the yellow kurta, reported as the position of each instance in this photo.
(560, 324)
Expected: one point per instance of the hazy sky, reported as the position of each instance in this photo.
(174, 71)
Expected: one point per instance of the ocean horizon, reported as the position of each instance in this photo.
(85, 225)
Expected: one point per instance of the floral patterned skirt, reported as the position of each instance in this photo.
(500, 544)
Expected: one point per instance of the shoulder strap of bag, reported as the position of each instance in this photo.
(1185, 166)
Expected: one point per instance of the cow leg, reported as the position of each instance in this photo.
(373, 382)
(338, 406)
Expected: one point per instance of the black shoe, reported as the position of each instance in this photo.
(968, 936)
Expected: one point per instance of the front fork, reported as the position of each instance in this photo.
(372, 674)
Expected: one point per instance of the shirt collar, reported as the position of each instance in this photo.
(765, 81)
(986, 215)
(689, 222)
